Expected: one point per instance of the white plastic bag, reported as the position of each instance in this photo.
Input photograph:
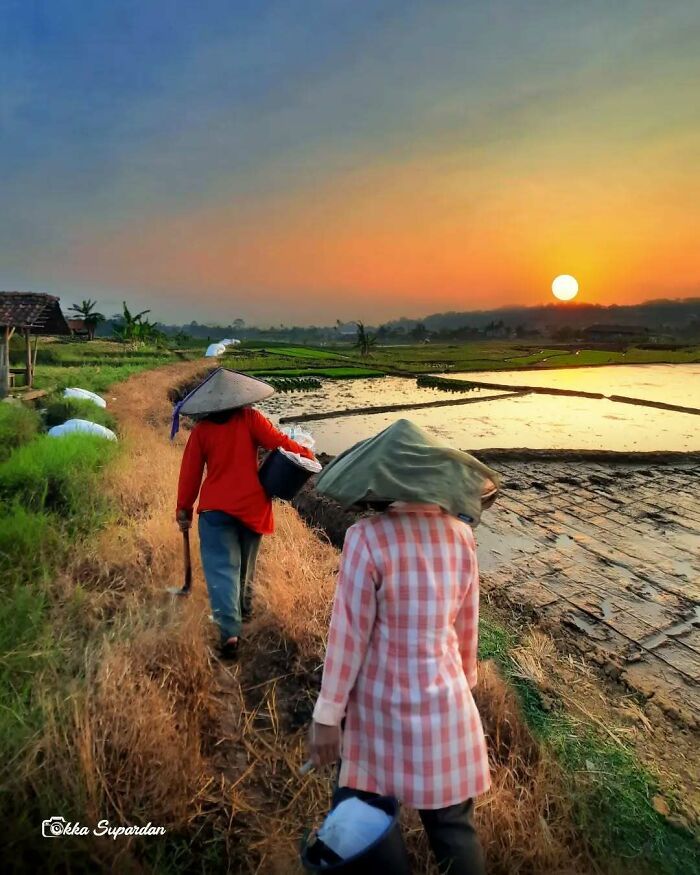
(85, 395)
(73, 426)
(312, 465)
(353, 826)
(300, 435)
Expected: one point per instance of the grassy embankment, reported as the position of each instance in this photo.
(343, 361)
(512, 355)
(96, 364)
(51, 499)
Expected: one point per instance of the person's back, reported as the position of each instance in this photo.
(420, 662)
(234, 509)
(228, 446)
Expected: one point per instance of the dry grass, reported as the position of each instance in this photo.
(159, 731)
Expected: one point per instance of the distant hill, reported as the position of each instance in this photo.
(676, 318)
(664, 313)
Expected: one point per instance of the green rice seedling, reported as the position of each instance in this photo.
(57, 475)
(29, 544)
(18, 425)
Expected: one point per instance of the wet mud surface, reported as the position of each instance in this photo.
(603, 553)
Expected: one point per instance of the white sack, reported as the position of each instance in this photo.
(85, 395)
(353, 826)
(312, 465)
(214, 350)
(73, 426)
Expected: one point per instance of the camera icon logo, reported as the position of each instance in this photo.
(53, 827)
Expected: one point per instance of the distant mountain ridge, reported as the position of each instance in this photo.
(674, 316)
(674, 313)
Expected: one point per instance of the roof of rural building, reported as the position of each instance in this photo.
(38, 312)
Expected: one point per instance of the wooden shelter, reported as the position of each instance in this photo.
(30, 313)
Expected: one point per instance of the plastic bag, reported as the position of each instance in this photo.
(73, 426)
(300, 435)
(353, 826)
(85, 395)
(312, 465)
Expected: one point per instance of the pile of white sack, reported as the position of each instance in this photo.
(73, 426)
(85, 395)
(214, 350)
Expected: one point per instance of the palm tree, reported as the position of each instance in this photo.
(364, 341)
(86, 310)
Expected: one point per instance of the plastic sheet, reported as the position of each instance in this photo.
(300, 435)
(214, 350)
(74, 426)
(85, 395)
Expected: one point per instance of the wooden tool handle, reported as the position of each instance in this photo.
(188, 559)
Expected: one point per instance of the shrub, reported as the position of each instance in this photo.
(60, 409)
(18, 425)
(29, 543)
(57, 475)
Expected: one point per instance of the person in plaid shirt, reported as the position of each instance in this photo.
(399, 669)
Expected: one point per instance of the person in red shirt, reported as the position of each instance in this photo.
(234, 509)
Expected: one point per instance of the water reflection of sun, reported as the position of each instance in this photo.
(565, 287)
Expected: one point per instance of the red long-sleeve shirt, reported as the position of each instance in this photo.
(230, 453)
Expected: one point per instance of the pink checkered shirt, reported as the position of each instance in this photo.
(401, 659)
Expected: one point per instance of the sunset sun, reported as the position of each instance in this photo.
(565, 287)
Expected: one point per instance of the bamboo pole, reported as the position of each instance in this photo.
(29, 376)
(5, 361)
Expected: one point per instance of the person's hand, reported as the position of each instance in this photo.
(183, 520)
(324, 744)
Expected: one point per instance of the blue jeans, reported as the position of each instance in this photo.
(229, 550)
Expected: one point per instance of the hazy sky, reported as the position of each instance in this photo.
(313, 160)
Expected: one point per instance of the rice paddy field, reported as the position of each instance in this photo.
(113, 704)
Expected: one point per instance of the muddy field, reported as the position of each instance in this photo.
(608, 553)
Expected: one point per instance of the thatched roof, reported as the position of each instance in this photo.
(38, 312)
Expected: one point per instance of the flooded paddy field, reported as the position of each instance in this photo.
(532, 421)
(674, 384)
(604, 555)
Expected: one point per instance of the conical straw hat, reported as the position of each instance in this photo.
(406, 463)
(224, 390)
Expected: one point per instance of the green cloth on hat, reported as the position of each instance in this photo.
(405, 463)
